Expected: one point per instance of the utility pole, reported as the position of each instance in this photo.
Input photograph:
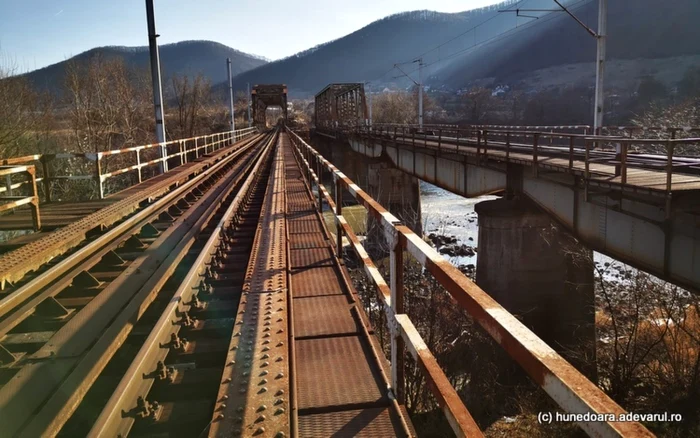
(420, 93)
(230, 94)
(601, 37)
(600, 66)
(369, 92)
(250, 122)
(157, 86)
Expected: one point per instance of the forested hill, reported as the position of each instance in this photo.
(636, 29)
(368, 53)
(186, 57)
(461, 47)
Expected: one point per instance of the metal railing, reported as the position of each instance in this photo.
(173, 153)
(583, 154)
(17, 201)
(570, 389)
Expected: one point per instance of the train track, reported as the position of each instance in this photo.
(69, 332)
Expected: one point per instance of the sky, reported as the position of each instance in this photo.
(37, 33)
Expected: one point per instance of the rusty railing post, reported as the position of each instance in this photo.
(587, 162)
(45, 177)
(339, 212)
(439, 138)
(36, 218)
(571, 154)
(507, 147)
(457, 140)
(138, 164)
(535, 141)
(669, 170)
(486, 145)
(623, 163)
(397, 305)
(98, 175)
(478, 146)
(319, 173)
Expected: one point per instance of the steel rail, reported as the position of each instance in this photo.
(53, 414)
(89, 255)
(111, 421)
(570, 389)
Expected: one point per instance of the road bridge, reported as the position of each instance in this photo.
(222, 306)
(641, 209)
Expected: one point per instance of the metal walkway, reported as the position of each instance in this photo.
(339, 384)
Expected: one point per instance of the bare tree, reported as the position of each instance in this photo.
(192, 97)
(109, 104)
(19, 112)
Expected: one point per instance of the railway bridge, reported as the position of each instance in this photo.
(215, 299)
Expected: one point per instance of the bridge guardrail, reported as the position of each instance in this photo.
(184, 149)
(570, 389)
(618, 152)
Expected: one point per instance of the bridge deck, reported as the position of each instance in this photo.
(341, 390)
(554, 158)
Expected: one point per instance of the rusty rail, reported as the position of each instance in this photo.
(570, 389)
(137, 381)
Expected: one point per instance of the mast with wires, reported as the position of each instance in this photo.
(420, 93)
(600, 66)
(600, 36)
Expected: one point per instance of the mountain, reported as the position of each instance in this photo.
(368, 53)
(637, 30)
(484, 43)
(186, 57)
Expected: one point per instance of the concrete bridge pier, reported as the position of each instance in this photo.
(393, 188)
(541, 274)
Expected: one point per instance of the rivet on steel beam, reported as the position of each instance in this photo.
(280, 392)
(263, 373)
(279, 376)
(260, 430)
(279, 401)
(264, 364)
(279, 411)
(266, 349)
(263, 389)
(279, 359)
(262, 382)
(260, 418)
(232, 362)
(279, 344)
(262, 408)
(220, 416)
